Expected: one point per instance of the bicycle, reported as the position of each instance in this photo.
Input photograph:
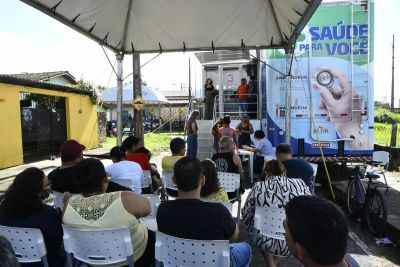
(370, 203)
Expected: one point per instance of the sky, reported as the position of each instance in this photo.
(30, 41)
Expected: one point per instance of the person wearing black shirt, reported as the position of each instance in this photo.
(296, 168)
(63, 178)
(189, 217)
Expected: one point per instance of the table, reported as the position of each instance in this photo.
(249, 154)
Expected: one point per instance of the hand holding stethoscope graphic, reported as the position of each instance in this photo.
(341, 101)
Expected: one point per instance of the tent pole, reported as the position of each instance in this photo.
(289, 57)
(120, 58)
(137, 91)
(170, 123)
(159, 117)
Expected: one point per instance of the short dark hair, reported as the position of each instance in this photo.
(259, 134)
(212, 183)
(90, 175)
(117, 153)
(187, 172)
(226, 119)
(7, 255)
(283, 149)
(319, 226)
(176, 145)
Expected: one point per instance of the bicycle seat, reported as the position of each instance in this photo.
(372, 175)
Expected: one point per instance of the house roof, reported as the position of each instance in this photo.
(181, 94)
(148, 95)
(44, 76)
(9, 79)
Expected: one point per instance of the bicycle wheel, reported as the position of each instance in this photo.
(353, 205)
(376, 212)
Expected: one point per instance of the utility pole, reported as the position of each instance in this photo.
(190, 89)
(392, 98)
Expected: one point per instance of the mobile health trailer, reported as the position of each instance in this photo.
(332, 84)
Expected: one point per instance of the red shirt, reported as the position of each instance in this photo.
(243, 92)
(140, 158)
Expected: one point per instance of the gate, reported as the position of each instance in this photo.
(43, 125)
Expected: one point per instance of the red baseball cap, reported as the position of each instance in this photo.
(71, 149)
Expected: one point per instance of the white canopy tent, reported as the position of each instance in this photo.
(142, 26)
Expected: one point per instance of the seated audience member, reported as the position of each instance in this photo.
(274, 192)
(226, 160)
(296, 168)
(178, 150)
(124, 169)
(155, 175)
(63, 178)
(211, 191)
(22, 207)
(214, 131)
(262, 147)
(97, 209)
(316, 232)
(7, 254)
(189, 217)
(226, 129)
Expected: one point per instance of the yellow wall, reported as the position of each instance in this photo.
(81, 120)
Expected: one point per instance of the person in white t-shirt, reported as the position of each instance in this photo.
(125, 169)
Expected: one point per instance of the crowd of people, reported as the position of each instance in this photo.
(93, 200)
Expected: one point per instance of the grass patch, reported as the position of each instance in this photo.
(155, 142)
(382, 134)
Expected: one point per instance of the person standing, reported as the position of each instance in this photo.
(226, 129)
(191, 131)
(252, 107)
(244, 130)
(209, 94)
(214, 131)
(243, 96)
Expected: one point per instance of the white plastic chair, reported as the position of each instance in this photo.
(313, 183)
(146, 180)
(58, 199)
(174, 251)
(98, 246)
(381, 160)
(168, 182)
(270, 222)
(28, 244)
(154, 203)
(231, 183)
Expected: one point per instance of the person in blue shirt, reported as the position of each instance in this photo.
(296, 168)
(262, 147)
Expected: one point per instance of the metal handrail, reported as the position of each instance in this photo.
(232, 107)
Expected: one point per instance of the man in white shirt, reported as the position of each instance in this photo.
(125, 169)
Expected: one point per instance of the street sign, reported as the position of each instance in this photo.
(151, 110)
(138, 103)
